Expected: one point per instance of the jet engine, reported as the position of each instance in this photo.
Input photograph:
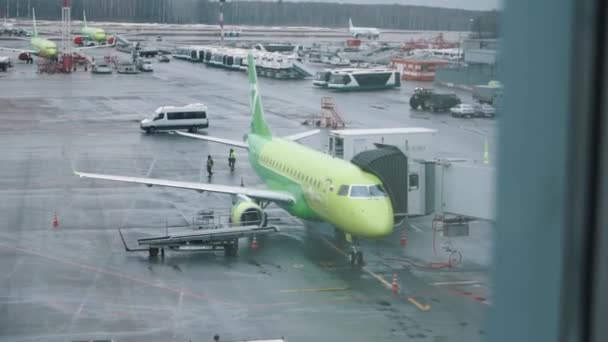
(111, 40)
(78, 40)
(23, 56)
(248, 213)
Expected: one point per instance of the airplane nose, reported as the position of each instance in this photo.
(100, 36)
(376, 220)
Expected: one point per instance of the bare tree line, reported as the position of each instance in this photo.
(261, 13)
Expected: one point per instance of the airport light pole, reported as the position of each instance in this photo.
(221, 21)
(66, 26)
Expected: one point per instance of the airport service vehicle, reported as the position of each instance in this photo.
(163, 59)
(170, 118)
(485, 110)
(360, 32)
(5, 63)
(428, 99)
(306, 183)
(126, 68)
(364, 79)
(101, 69)
(487, 94)
(463, 110)
(322, 77)
(144, 65)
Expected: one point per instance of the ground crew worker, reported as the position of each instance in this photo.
(209, 166)
(231, 159)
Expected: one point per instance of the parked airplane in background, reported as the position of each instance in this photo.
(90, 34)
(39, 46)
(360, 32)
(308, 184)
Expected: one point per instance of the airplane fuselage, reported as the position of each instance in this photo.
(44, 47)
(93, 34)
(358, 32)
(317, 180)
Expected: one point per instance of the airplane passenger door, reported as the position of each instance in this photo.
(327, 192)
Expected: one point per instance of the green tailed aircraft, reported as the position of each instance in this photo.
(308, 184)
(39, 46)
(92, 33)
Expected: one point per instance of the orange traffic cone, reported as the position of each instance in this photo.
(403, 241)
(55, 221)
(395, 286)
(254, 243)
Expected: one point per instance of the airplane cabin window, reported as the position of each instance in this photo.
(343, 190)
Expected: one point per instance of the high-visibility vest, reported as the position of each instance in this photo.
(232, 155)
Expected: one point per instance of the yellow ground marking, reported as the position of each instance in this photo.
(373, 274)
(327, 289)
(418, 305)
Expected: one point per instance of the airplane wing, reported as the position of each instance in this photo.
(18, 50)
(94, 47)
(299, 136)
(234, 143)
(267, 195)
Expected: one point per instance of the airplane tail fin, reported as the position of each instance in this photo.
(34, 22)
(350, 23)
(258, 124)
(84, 17)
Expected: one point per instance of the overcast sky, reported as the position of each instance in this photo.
(465, 4)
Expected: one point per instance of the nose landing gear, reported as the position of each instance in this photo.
(355, 257)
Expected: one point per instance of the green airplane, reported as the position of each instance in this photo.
(308, 184)
(93, 34)
(40, 46)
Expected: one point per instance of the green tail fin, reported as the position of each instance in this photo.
(84, 17)
(34, 22)
(258, 124)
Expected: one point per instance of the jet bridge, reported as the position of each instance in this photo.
(418, 184)
(390, 165)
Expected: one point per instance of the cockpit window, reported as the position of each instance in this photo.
(359, 191)
(343, 191)
(377, 191)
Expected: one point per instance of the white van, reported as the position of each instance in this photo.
(170, 118)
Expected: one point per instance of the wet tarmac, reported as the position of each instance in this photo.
(76, 282)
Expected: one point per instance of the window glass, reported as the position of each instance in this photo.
(359, 191)
(343, 191)
(377, 191)
(159, 116)
(414, 181)
(174, 116)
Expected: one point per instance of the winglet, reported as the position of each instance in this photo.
(258, 124)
